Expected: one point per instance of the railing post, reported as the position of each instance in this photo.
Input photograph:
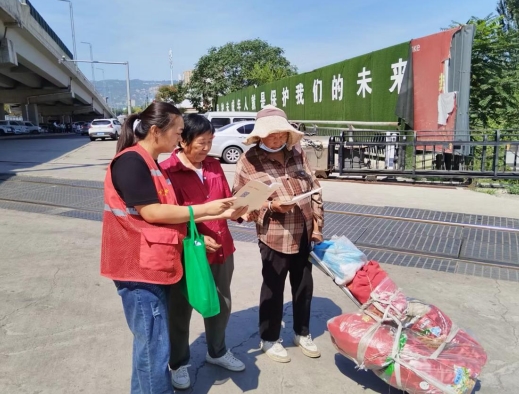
(414, 153)
(495, 159)
(484, 154)
(331, 154)
(341, 153)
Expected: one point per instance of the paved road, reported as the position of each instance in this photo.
(62, 329)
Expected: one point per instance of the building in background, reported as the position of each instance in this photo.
(186, 77)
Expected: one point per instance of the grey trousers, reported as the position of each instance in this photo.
(180, 316)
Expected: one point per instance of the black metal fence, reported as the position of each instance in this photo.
(476, 154)
(36, 15)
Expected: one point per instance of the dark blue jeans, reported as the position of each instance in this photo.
(145, 308)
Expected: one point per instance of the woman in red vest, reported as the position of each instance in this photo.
(143, 229)
(198, 179)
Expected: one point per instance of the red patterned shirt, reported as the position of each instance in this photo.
(190, 190)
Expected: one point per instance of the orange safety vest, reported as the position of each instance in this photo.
(133, 249)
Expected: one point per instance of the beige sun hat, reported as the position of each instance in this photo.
(272, 120)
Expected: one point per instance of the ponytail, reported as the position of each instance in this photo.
(127, 137)
(137, 126)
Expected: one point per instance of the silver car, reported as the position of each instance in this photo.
(228, 141)
(32, 129)
(104, 128)
(17, 126)
(5, 129)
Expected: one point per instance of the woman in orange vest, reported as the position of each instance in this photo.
(143, 230)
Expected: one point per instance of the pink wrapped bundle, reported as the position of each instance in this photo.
(347, 331)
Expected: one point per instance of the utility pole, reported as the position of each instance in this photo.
(171, 65)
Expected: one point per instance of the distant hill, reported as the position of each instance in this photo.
(140, 91)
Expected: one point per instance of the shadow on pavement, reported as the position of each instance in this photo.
(243, 340)
(367, 379)
(20, 155)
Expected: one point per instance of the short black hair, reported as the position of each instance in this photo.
(194, 126)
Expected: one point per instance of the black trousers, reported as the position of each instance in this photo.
(276, 266)
(180, 316)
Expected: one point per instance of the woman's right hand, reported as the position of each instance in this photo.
(216, 207)
(278, 208)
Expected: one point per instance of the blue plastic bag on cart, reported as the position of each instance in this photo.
(341, 257)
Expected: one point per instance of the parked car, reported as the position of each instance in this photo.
(104, 128)
(228, 141)
(220, 119)
(5, 129)
(83, 128)
(31, 129)
(17, 126)
(45, 128)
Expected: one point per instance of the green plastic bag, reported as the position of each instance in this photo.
(199, 287)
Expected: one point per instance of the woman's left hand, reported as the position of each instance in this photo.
(317, 237)
(235, 213)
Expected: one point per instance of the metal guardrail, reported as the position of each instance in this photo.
(478, 154)
(36, 15)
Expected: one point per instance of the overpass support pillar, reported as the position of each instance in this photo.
(30, 113)
(2, 112)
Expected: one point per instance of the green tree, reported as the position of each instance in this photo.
(267, 72)
(174, 94)
(509, 11)
(494, 82)
(229, 68)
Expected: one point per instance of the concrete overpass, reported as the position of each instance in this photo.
(31, 75)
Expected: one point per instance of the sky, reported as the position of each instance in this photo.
(313, 34)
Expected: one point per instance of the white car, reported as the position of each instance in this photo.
(32, 129)
(17, 126)
(228, 141)
(223, 118)
(104, 128)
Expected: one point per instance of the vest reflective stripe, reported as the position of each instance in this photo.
(115, 211)
(132, 211)
(156, 173)
(121, 213)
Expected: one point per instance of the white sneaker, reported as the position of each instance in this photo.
(180, 378)
(227, 361)
(275, 351)
(308, 347)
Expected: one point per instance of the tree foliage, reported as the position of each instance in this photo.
(235, 66)
(509, 12)
(174, 94)
(267, 72)
(493, 98)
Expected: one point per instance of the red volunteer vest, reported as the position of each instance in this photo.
(133, 249)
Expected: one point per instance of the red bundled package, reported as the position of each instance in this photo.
(454, 370)
(347, 331)
(366, 280)
(427, 321)
(387, 294)
(418, 367)
(431, 324)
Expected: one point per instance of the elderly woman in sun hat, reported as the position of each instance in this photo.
(285, 232)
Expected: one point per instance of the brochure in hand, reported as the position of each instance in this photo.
(254, 194)
(300, 197)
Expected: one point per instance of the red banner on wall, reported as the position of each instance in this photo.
(431, 99)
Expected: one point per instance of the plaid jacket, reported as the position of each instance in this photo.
(282, 232)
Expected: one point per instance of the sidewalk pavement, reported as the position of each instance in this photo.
(62, 328)
(78, 158)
